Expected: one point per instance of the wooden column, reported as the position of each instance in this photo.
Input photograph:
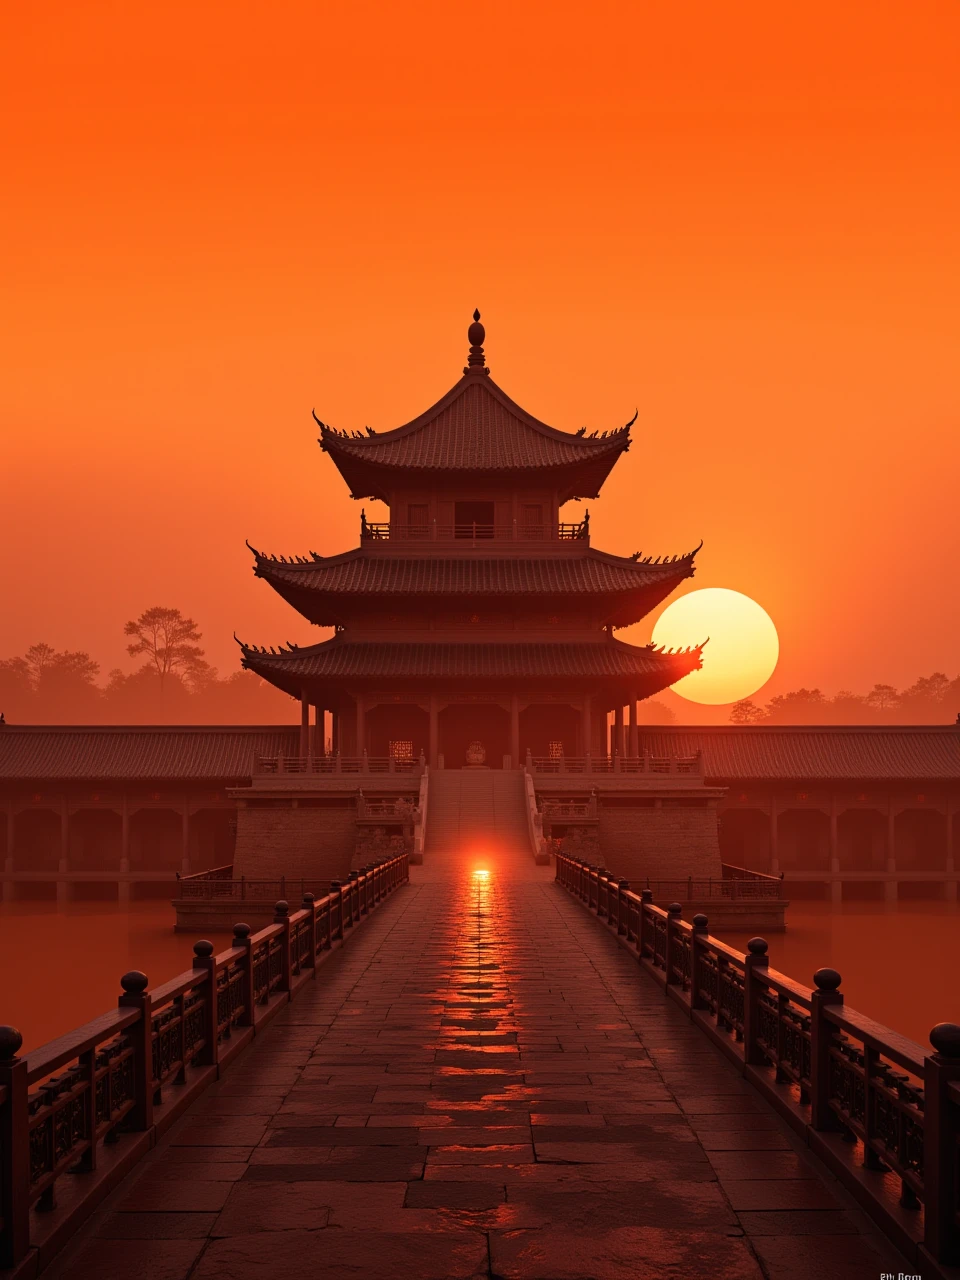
(634, 728)
(618, 730)
(514, 731)
(586, 727)
(63, 888)
(304, 723)
(890, 886)
(950, 865)
(316, 732)
(774, 837)
(185, 839)
(361, 724)
(836, 888)
(8, 857)
(123, 889)
(432, 746)
(335, 731)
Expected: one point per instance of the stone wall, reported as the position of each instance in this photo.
(309, 842)
(660, 839)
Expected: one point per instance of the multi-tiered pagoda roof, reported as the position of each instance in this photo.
(474, 583)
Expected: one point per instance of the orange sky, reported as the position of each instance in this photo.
(742, 218)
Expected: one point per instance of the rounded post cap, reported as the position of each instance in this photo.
(334, 886)
(623, 884)
(241, 931)
(11, 1041)
(646, 895)
(282, 908)
(674, 908)
(700, 920)
(945, 1038)
(135, 983)
(203, 948)
(826, 980)
(309, 899)
(758, 947)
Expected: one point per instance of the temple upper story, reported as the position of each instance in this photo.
(473, 461)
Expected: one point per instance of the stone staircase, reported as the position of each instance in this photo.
(477, 813)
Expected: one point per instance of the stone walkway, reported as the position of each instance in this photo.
(481, 1084)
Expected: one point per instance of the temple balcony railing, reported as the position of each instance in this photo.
(473, 534)
(648, 765)
(327, 766)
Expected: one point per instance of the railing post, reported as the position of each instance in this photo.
(354, 878)
(337, 890)
(698, 931)
(140, 1034)
(756, 958)
(827, 982)
(941, 1134)
(673, 919)
(14, 1152)
(646, 900)
(282, 916)
(206, 962)
(241, 938)
(309, 904)
(623, 888)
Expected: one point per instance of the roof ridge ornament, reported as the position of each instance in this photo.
(476, 361)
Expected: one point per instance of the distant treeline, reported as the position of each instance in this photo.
(174, 685)
(933, 699)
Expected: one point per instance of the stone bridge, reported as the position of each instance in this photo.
(483, 1083)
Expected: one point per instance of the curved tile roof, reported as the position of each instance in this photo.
(357, 573)
(339, 659)
(474, 428)
(150, 754)
(814, 752)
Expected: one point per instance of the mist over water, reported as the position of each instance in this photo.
(62, 966)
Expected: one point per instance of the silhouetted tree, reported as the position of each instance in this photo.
(746, 712)
(168, 640)
(800, 706)
(882, 697)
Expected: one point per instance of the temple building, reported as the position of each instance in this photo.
(474, 620)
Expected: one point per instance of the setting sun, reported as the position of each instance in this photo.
(743, 649)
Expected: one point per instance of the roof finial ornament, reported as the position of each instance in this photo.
(475, 336)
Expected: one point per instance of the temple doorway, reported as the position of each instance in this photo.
(400, 729)
(460, 724)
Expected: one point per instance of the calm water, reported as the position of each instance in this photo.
(898, 964)
(59, 968)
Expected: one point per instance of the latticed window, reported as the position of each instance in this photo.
(401, 749)
(555, 750)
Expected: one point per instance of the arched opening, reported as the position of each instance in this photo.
(36, 840)
(921, 840)
(399, 729)
(95, 840)
(804, 840)
(549, 729)
(745, 838)
(464, 723)
(862, 840)
(156, 840)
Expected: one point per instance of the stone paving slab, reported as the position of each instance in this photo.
(481, 1085)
